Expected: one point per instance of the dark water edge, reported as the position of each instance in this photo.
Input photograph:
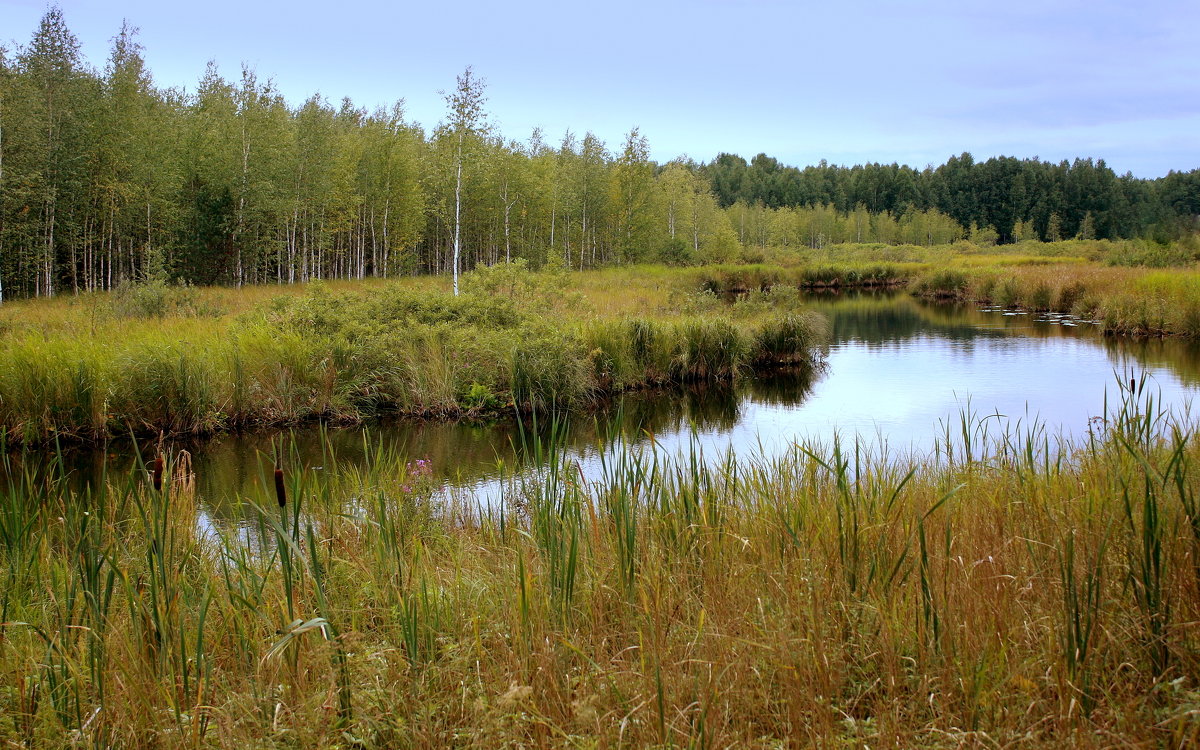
(462, 453)
(899, 370)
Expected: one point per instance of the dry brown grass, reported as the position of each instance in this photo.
(756, 603)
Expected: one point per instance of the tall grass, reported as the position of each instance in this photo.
(345, 356)
(1124, 301)
(210, 360)
(1025, 592)
(1116, 284)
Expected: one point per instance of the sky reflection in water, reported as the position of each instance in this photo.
(898, 370)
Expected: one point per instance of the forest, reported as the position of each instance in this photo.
(106, 177)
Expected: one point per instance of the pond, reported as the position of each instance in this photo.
(900, 372)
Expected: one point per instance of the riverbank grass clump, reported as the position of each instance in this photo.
(514, 339)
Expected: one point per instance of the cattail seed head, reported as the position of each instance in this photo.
(157, 473)
(280, 491)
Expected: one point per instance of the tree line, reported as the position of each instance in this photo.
(1015, 198)
(106, 177)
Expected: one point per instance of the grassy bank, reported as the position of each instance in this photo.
(151, 358)
(1013, 591)
(184, 361)
(1125, 301)
(1131, 287)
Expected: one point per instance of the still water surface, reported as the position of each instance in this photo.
(899, 371)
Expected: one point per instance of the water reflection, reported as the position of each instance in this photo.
(897, 369)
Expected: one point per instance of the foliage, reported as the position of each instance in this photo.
(109, 178)
(1001, 199)
(154, 298)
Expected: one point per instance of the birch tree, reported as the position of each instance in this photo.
(633, 188)
(391, 186)
(467, 122)
(50, 65)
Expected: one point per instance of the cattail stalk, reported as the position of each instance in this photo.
(280, 490)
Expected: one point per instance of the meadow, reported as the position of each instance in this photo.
(1010, 588)
(1131, 287)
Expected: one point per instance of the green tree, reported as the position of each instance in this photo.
(633, 187)
(54, 98)
(5, 82)
(1054, 228)
(467, 122)
(390, 179)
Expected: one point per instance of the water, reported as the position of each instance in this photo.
(899, 371)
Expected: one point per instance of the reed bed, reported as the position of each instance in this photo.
(1009, 589)
(151, 358)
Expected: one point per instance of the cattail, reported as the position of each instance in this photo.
(280, 492)
(157, 473)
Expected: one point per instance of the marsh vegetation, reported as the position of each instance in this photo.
(1012, 589)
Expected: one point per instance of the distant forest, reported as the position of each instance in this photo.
(1016, 198)
(106, 178)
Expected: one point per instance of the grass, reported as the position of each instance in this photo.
(150, 359)
(1138, 302)
(1122, 284)
(209, 360)
(1008, 589)
(1014, 590)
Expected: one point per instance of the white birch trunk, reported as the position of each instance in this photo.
(387, 204)
(242, 198)
(457, 210)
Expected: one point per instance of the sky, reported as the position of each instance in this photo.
(850, 82)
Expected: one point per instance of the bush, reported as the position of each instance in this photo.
(677, 252)
(1151, 254)
(479, 397)
(155, 298)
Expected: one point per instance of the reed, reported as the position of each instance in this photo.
(832, 594)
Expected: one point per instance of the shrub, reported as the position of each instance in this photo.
(155, 298)
(479, 397)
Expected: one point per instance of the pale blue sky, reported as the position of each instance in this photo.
(906, 81)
